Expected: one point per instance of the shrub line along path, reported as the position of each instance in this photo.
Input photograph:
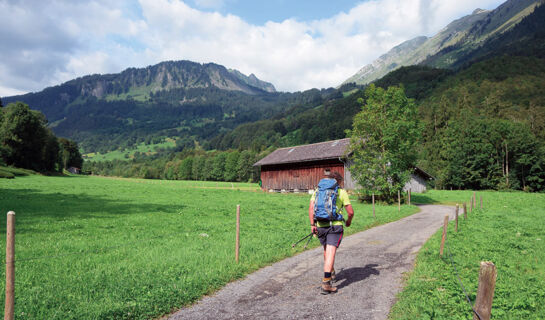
(369, 265)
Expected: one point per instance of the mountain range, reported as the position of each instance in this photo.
(451, 46)
(214, 107)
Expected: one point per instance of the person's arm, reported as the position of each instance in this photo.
(343, 195)
(350, 212)
(311, 217)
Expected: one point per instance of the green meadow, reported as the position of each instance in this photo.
(111, 248)
(509, 231)
(148, 149)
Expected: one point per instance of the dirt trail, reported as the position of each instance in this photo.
(369, 268)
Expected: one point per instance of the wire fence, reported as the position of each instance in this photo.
(296, 230)
(460, 280)
(177, 234)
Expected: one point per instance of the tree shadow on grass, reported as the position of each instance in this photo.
(33, 206)
(351, 275)
(419, 198)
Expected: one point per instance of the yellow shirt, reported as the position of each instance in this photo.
(342, 201)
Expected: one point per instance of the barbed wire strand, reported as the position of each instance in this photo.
(460, 281)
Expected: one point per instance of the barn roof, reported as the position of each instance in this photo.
(309, 152)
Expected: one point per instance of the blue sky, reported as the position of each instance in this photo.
(260, 12)
(296, 45)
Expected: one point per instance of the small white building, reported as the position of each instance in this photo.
(74, 170)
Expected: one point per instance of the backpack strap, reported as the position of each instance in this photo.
(315, 207)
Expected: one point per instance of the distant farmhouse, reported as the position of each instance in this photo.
(298, 169)
(74, 170)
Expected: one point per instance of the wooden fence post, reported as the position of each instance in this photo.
(409, 196)
(443, 238)
(471, 205)
(238, 234)
(398, 200)
(10, 267)
(456, 227)
(485, 291)
(481, 201)
(465, 211)
(373, 196)
(474, 200)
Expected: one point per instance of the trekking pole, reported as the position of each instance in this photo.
(308, 235)
(306, 244)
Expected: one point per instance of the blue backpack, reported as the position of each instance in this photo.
(325, 201)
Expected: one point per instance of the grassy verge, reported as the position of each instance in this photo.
(110, 248)
(509, 231)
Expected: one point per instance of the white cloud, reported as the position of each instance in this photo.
(49, 44)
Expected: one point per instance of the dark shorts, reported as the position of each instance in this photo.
(331, 235)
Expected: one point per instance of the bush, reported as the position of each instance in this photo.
(6, 174)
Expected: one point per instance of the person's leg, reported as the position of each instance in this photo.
(324, 254)
(329, 257)
(329, 260)
(333, 275)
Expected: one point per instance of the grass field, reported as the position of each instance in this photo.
(509, 231)
(148, 149)
(108, 248)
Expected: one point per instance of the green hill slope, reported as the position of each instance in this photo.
(452, 46)
(175, 98)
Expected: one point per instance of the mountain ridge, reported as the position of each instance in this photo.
(141, 83)
(465, 33)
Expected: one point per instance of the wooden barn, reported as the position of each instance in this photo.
(300, 168)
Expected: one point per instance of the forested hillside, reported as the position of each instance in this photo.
(482, 34)
(171, 99)
(484, 127)
(483, 121)
(525, 38)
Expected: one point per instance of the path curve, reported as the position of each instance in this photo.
(369, 265)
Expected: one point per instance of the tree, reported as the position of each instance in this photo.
(71, 157)
(170, 171)
(23, 135)
(184, 171)
(383, 142)
(196, 169)
(207, 168)
(51, 158)
(245, 169)
(218, 169)
(231, 162)
(3, 150)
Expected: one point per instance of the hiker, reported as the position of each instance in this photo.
(330, 229)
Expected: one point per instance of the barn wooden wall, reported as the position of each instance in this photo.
(301, 176)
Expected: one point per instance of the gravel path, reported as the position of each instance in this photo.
(369, 266)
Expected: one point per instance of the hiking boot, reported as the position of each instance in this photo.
(327, 288)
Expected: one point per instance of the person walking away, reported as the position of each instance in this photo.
(326, 221)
